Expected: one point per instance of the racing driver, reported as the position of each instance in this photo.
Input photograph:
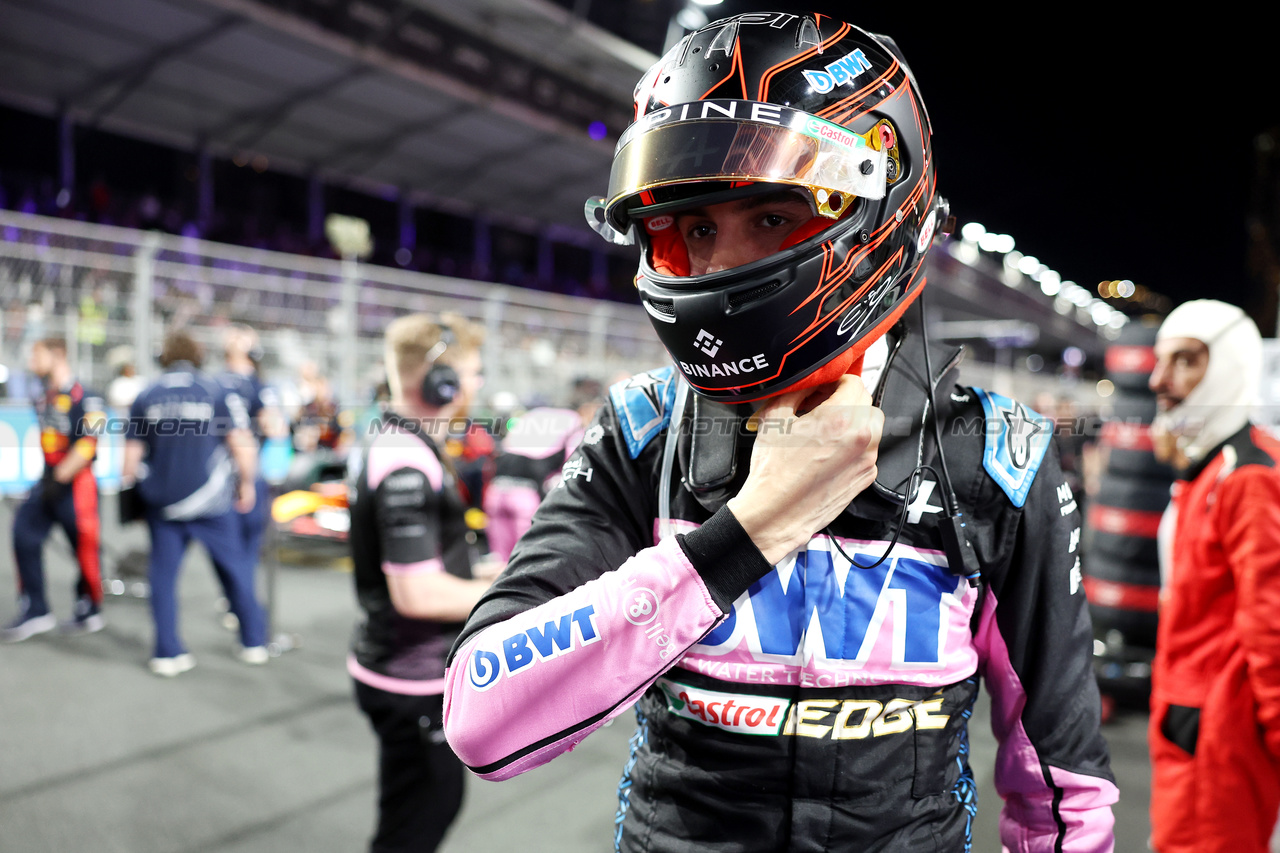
(798, 549)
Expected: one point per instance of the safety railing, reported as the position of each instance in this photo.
(102, 287)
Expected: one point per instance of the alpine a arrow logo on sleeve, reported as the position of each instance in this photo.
(1017, 440)
(524, 649)
(643, 404)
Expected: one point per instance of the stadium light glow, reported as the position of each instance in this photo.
(1100, 312)
(1029, 264)
(691, 18)
(965, 252)
(1077, 295)
(973, 231)
(1004, 243)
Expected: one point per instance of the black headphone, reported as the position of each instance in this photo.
(441, 384)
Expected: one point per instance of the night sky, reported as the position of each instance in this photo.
(1110, 148)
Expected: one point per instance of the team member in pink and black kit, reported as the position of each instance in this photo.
(532, 454)
(798, 551)
(413, 577)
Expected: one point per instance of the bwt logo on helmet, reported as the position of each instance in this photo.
(842, 72)
(523, 650)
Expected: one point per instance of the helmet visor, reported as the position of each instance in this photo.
(660, 155)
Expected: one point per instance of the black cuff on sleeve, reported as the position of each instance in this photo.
(724, 555)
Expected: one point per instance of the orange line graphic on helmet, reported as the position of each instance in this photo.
(831, 278)
(908, 296)
(734, 67)
(915, 111)
(763, 94)
(821, 321)
(845, 112)
(742, 72)
(849, 102)
(847, 303)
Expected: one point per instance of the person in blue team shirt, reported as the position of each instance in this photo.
(66, 494)
(242, 354)
(191, 451)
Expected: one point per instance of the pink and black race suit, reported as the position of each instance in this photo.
(811, 705)
(406, 518)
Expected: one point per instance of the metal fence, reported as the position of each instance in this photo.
(103, 287)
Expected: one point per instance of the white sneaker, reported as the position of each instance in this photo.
(253, 655)
(169, 667)
(24, 628)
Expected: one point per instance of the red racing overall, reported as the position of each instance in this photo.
(1215, 706)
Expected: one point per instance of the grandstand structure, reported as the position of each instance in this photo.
(503, 112)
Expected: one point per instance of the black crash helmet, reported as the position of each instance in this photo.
(759, 102)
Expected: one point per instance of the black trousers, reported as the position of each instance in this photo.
(419, 778)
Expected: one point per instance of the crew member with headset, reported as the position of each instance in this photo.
(66, 494)
(413, 576)
(191, 450)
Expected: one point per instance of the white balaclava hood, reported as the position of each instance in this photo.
(1220, 405)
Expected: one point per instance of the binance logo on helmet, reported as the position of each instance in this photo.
(780, 183)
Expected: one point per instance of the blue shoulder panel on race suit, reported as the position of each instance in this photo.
(644, 403)
(1016, 441)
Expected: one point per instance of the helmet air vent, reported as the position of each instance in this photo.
(661, 309)
(743, 297)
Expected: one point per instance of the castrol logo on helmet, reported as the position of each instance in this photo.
(834, 133)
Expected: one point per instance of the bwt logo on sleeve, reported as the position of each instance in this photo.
(520, 651)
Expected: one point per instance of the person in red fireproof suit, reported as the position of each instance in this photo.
(1215, 706)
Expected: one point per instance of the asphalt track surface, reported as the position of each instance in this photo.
(97, 754)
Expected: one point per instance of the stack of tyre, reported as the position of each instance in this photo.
(1120, 556)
